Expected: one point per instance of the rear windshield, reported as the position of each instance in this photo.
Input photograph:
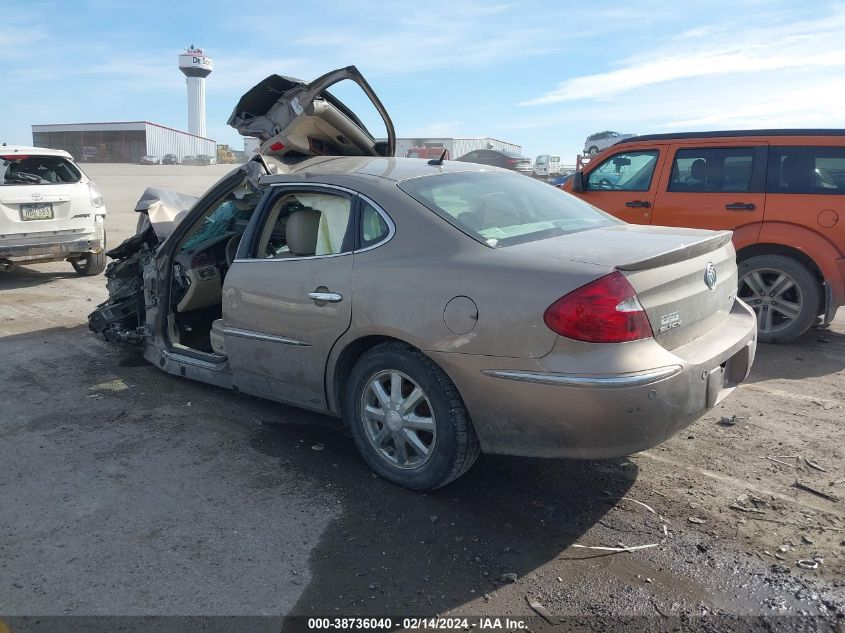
(500, 209)
(38, 170)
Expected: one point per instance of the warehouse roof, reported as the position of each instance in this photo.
(107, 126)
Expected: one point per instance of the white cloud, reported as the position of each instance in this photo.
(812, 45)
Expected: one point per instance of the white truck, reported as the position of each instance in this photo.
(546, 166)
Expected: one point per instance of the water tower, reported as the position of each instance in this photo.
(196, 67)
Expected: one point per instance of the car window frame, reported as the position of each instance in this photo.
(773, 175)
(252, 236)
(656, 150)
(351, 242)
(359, 245)
(759, 166)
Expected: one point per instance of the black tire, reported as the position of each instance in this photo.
(593, 150)
(455, 446)
(91, 264)
(804, 292)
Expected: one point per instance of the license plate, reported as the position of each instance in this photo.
(37, 211)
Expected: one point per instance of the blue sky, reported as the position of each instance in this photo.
(540, 74)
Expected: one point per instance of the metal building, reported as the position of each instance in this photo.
(456, 147)
(120, 142)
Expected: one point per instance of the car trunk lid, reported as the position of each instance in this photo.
(671, 269)
(295, 120)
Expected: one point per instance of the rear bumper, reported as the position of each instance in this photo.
(92, 243)
(528, 408)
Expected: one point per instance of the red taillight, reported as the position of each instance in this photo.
(276, 147)
(513, 161)
(14, 157)
(606, 310)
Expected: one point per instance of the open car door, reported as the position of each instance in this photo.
(295, 120)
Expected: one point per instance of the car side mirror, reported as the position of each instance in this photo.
(578, 181)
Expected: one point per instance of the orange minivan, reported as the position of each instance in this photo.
(782, 193)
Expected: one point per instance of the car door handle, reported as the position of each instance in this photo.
(739, 206)
(638, 204)
(330, 297)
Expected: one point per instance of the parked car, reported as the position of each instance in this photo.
(49, 211)
(499, 158)
(170, 159)
(189, 160)
(484, 311)
(203, 159)
(779, 191)
(602, 140)
(149, 159)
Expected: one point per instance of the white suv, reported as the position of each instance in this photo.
(49, 211)
(602, 140)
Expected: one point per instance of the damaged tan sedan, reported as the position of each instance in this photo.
(439, 308)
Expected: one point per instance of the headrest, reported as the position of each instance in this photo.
(301, 230)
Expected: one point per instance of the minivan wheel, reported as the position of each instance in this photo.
(593, 150)
(90, 264)
(784, 294)
(408, 419)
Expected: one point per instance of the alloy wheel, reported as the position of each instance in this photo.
(776, 298)
(398, 419)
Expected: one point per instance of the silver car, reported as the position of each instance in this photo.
(438, 308)
(600, 141)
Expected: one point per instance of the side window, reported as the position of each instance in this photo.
(806, 170)
(374, 227)
(721, 169)
(628, 171)
(305, 224)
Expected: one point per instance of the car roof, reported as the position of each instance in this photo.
(395, 169)
(9, 150)
(733, 134)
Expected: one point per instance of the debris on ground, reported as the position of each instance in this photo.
(508, 577)
(540, 610)
(615, 550)
(777, 461)
(815, 491)
(318, 447)
(111, 385)
(814, 465)
(696, 520)
(807, 563)
(728, 421)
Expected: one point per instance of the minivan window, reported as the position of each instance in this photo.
(38, 170)
(502, 209)
(796, 169)
(713, 170)
(627, 171)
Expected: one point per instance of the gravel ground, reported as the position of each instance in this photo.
(126, 491)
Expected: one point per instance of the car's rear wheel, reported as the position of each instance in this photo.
(593, 150)
(784, 294)
(90, 264)
(408, 419)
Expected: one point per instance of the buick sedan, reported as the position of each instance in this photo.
(439, 308)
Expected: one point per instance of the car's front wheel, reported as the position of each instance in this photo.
(408, 419)
(783, 293)
(593, 150)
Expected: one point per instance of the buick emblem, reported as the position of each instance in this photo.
(710, 275)
(37, 196)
